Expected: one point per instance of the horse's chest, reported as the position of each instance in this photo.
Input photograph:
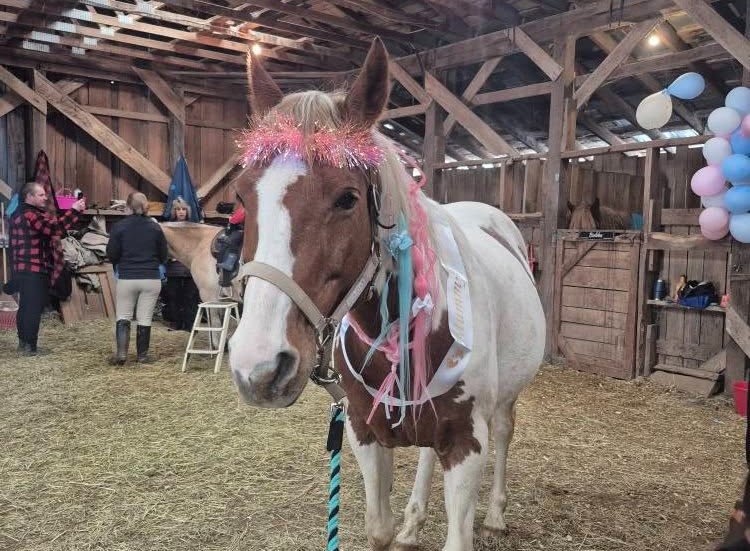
(446, 425)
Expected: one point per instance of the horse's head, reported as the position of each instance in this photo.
(585, 216)
(307, 218)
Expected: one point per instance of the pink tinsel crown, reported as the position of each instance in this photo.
(344, 147)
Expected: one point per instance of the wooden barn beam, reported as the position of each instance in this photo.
(511, 94)
(599, 130)
(554, 197)
(219, 174)
(102, 134)
(11, 100)
(719, 28)
(19, 87)
(607, 44)
(613, 60)
(433, 149)
(536, 53)
(469, 120)
(36, 131)
(568, 52)
(164, 91)
(472, 89)
(153, 11)
(408, 111)
(336, 22)
(406, 80)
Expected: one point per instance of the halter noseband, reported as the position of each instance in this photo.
(323, 373)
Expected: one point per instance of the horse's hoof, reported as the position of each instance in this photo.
(488, 533)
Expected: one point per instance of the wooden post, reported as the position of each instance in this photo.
(555, 193)
(176, 130)
(651, 219)
(738, 288)
(433, 150)
(36, 132)
(571, 111)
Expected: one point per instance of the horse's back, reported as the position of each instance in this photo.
(505, 299)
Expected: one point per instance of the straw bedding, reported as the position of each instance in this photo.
(146, 458)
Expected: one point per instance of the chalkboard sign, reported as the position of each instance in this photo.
(597, 235)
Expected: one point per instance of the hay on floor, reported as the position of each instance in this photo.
(147, 458)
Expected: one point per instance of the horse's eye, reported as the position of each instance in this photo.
(346, 201)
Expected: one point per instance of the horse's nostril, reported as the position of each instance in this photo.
(286, 363)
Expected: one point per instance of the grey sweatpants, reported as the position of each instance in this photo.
(139, 296)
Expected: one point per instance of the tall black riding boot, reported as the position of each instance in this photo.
(142, 341)
(122, 339)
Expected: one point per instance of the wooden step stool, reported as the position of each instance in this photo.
(227, 310)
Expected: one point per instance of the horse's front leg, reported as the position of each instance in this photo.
(376, 465)
(462, 483)
(415, 513)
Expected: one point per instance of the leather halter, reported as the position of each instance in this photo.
(324, 374)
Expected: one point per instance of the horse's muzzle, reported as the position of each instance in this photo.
(272, 383)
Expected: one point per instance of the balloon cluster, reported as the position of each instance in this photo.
(656, 110)
(728, 157)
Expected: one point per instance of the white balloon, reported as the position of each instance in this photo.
(716, 150)
(715, 200)
(723, 121)
(739, 100)
(654, 111)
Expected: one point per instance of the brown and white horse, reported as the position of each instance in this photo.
(313, 224)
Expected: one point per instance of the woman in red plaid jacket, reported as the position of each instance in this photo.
(35, 265)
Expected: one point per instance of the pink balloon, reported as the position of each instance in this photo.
(709, 180)
(715, 235)
(745, 126)
(714, 219)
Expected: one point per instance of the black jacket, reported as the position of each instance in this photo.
(137, 246)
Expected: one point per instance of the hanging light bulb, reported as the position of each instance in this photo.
(653, 41)
(257, 49)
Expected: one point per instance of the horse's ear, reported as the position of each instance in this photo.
(262, 92)
(369, 94)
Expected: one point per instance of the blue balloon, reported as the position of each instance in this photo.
(687, 86)
(740, 144)
(737, 200)
(736, 168)
(739, 227)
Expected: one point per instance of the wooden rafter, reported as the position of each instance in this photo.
(173, 102)
(470, 121)
(102, 134)
(536, 53)
(19, 87)
(719, 28)
(472, 89)
(615, 58)
(212, 8)
(10, 101)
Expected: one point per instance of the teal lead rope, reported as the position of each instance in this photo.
(335, 440)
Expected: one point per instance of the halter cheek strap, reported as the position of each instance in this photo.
(324, 327)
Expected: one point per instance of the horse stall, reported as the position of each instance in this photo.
(607, 319)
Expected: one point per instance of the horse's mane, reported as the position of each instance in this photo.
(582, 218)
(314, 109)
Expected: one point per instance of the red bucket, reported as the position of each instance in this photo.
(739, 389)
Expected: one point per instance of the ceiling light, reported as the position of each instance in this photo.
(256, 48)
(653, 40)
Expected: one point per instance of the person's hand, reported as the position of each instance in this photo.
(79, 205)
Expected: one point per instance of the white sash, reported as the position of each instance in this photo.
(459, 322)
